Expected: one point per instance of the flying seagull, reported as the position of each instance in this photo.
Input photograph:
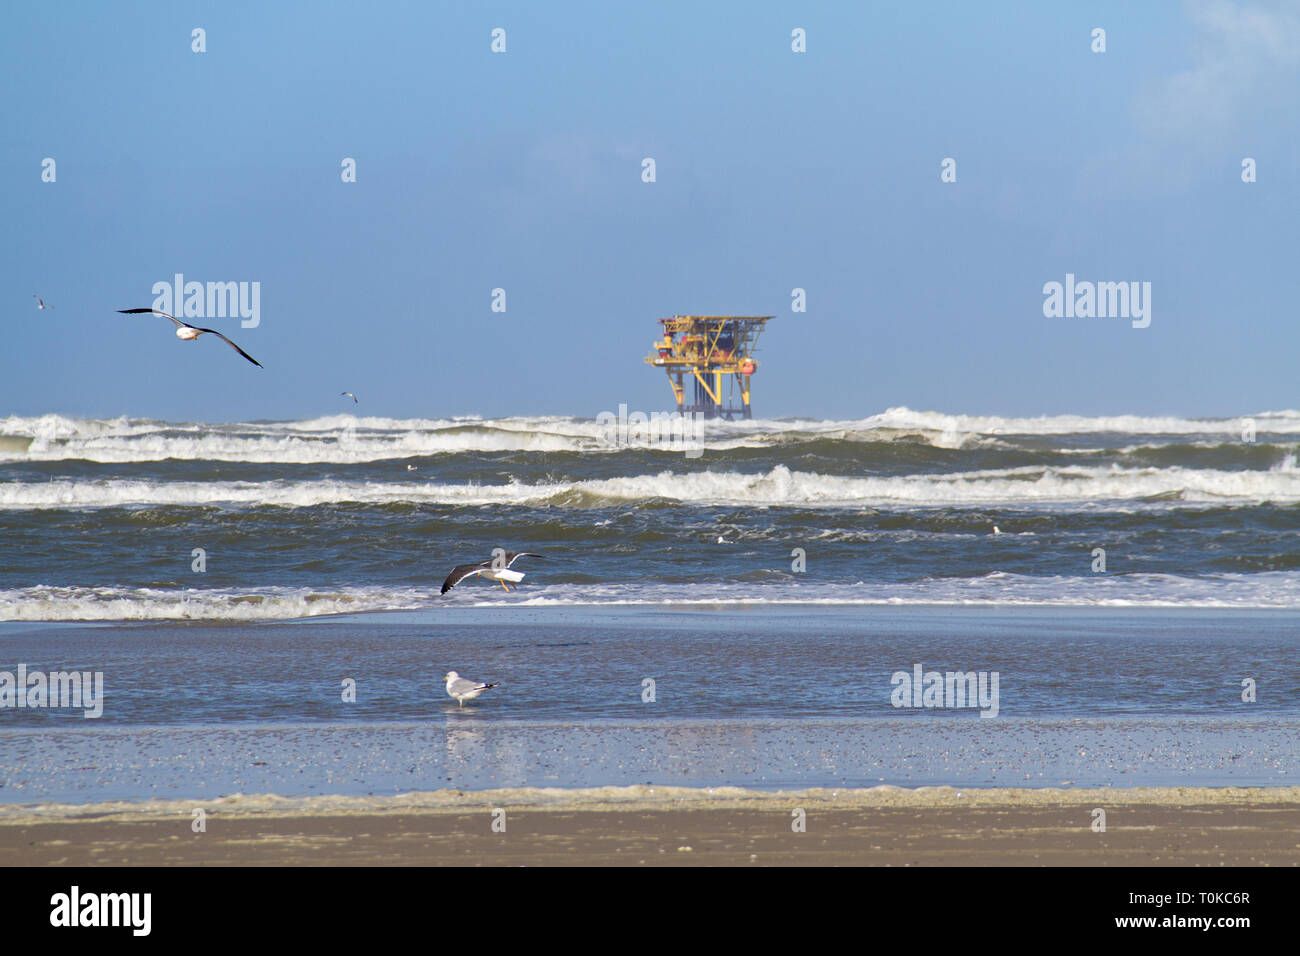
(351, 396)
(463, 689)
(495, 569)
(40, 303)
(186, 331)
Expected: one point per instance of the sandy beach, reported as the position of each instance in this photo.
(656, 826)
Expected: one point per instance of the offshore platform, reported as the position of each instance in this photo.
(710, 349)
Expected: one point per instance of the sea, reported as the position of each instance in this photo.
(732, 611)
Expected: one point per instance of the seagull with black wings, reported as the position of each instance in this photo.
(188, 332)
(497, 568)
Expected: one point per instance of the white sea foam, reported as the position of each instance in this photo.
(47, 603)
(349, 439)
(1277, 422)
(340, 439)
(1276, 589)
(776, 487)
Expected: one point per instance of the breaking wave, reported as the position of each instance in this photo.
(1268, 590)
(352, 439)
(776, 487)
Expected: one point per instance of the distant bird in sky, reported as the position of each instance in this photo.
(187, 332)
(463, 689)
(40, 303)
(351, 396)
(495, 569)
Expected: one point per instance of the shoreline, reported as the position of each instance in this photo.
(647, 797)
(657, 826)
(448, 613)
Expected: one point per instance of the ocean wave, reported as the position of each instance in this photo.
(339, 440)
(1277, 589)
(46, 603)
(777, 487)
(354, 439)
(1275, 422)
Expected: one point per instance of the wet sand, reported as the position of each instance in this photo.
(471, 750)
(646, 826)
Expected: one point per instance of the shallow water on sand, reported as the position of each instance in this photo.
(742, 662)
(742, 695)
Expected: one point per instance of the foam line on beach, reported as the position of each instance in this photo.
(1266, 590)
(647, 797)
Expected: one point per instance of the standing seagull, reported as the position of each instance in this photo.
(463, 689)
(351, 396)
(495, 569)
(40, 303)
(186, 331)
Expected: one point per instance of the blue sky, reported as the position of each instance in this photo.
(775, 170)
